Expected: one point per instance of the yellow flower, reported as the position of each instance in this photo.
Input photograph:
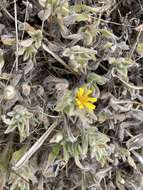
(83, 99)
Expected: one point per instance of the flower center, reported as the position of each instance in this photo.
(83, 99)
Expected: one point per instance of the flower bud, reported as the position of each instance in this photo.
(9, 92)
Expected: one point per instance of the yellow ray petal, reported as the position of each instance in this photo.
(80, 92)
(90, 106)
(88, 92)
(90, 99)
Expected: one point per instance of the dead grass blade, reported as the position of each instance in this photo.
(34, 148)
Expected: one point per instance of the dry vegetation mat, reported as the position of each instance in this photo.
(71, 94)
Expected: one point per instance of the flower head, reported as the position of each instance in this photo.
(84, 100)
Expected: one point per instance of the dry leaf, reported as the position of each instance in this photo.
(43, 2)
(45, 14)
(135, 142)
(8, 40)
(27, 42)
(139, 28)
(26, 89)
(26, 27)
